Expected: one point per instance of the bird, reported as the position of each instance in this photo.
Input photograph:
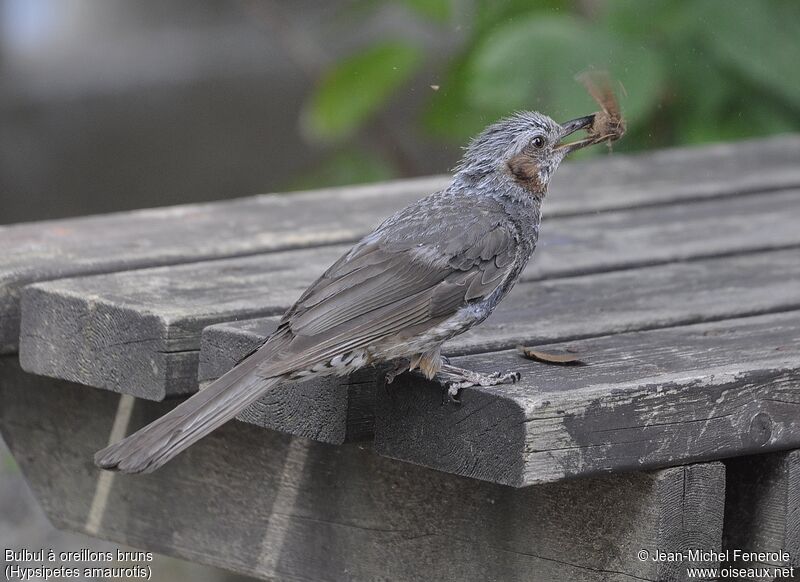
(429, 272)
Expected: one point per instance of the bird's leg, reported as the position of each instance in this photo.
(398, 367)
(454, 379)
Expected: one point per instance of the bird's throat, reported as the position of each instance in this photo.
(525, 172)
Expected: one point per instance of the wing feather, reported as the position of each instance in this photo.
(407, 276)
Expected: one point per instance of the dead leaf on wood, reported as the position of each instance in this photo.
(560, 357)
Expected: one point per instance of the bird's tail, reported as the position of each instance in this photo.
(150, 447)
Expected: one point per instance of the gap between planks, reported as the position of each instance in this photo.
(719, 156)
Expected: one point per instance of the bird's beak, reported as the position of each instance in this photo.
(570, 127)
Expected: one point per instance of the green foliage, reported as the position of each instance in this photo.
(491, 14)
(356, 88)
(531, 63)
(758, 41)
(347, 166)
(9, 464)
(731, 71)
(689, 70)
(435, 10)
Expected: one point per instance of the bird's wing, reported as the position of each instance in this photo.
(416, 270)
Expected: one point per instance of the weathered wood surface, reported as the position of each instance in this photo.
(102, 244)
(223, 345)
(685, 242)
(644, 400)
(48, 250)
(330, 410)
(550, 311)
(138, 332)
(269, 505)
(762, 509)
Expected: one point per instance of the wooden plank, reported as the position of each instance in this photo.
(645, 400)
(607, 311)
(269, 505)
(138, 332)
(639, 299)
(48, 250)
(115, 242)
(330, 410)
(762, 510)
(224, 344)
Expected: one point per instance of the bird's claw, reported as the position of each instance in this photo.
(496, 378)
(475, 379)
(493, 379)
(393, 372)
(452, 391)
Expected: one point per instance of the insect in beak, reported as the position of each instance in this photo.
(570, 127)
(606, 125)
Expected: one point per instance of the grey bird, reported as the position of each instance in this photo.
(428, 273)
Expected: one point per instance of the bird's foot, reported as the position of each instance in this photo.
(451, 394)
(493, 379)
(455, 379)
(398, 368)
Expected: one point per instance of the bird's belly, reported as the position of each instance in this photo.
(341, 365)
(401, 346)
(430, 339)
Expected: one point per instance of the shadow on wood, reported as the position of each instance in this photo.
(762, 511)
(138, 332)
(330, 410)
(267, 504)
(645, 400)
(194, 232)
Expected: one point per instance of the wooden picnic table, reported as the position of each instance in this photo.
(674, 275)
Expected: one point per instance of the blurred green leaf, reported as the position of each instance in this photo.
(449, 114)
(438, 11)
(356, 88)
(349, 166)
(699, 91)
(491, 13)
(531, 63)
(692, 71)
(760, 40)
(737, 119)
(9, 464)
(435, 10)
(666, 19)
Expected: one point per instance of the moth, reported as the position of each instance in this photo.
(608, 123)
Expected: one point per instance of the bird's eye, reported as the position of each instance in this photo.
(538, 142)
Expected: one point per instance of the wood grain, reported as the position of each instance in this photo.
(330, 410)
(138, 332)
(42, 251)
(123, 241)
(645, 399)
(762, 507)
(276, 507)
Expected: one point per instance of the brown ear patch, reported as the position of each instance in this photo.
(526, 172)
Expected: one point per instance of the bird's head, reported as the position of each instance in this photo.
(525, 149)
